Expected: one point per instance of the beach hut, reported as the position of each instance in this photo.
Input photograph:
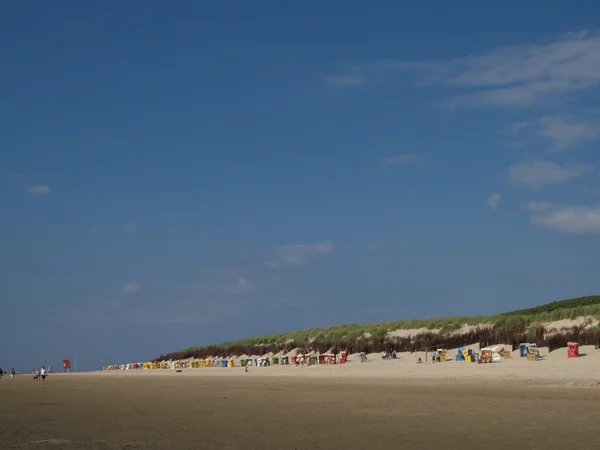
(285, 360)
(492, 354)
(343, 357)
(277, 358)
(524, 349)
(486, 355)
(468, 355)
(533, 353)
(573, 351)
(442, 354)
(460, 355)
(497, 352)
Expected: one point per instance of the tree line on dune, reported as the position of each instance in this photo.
(485, 336)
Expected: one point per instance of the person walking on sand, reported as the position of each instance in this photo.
(43, 373)
(12, 373)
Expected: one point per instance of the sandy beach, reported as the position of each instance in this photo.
(550, 404)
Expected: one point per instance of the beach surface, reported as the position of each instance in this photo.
(548, 404)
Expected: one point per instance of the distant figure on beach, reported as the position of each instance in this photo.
(1, 373)
(36, 374)
(12, 373)
(43, 374)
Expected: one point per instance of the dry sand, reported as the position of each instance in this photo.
(549, 404)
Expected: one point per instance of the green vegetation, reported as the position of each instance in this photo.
(565, 309)
(571, 303)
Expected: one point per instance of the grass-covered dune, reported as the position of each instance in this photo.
(525, 325)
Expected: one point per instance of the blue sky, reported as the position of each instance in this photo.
(187, 174)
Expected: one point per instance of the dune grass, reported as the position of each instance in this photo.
(550, 312)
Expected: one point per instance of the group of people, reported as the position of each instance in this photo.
(391, 354)
(40, 374)
(12, 373)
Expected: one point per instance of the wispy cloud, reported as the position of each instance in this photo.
(242, 286)
(567, 131)
(40, 189)
(537, 173)
(518, 75)
(516, 128)
(130, 288)
(130, 227)
(578, 219)
(401, 159)
(173, 229)
(299, 253)
(494, 201)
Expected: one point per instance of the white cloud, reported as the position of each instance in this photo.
(130, 288)
(40, 189)
(540, 206)
(242, 286)
(298, 253)
(566, 131)
(517, 75)
(537, 173)
(173, 229)
(520, 96)
(578, 219)
(129, 227)
(401, 159)
(494, 201)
